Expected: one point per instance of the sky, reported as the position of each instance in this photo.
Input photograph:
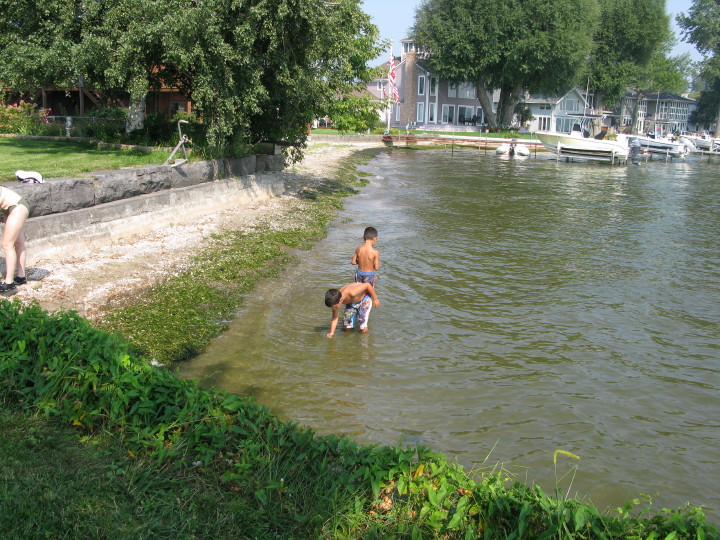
(395, 17)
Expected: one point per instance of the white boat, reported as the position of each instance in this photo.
(575, 145)
(704, 142)
(664, 147)
(513, 149)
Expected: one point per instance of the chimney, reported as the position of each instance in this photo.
(410, 89)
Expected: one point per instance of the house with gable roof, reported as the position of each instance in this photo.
(426, 101)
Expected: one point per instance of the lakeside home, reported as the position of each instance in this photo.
(429, 102)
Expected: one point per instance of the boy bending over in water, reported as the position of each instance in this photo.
(358, 298)
(367, 258)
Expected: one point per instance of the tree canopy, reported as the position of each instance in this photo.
(510, 45)
(254, 69)
(629, 33)
(701, 27)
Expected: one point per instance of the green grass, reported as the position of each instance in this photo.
(56, 159)
(56, 482)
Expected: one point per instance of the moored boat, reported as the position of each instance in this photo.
(575, 145)
(664, 147)
(704, 142)
(513, 149)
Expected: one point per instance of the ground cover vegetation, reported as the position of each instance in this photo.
(95, 440)
(254, 69)
(545, 47)
(57, 159)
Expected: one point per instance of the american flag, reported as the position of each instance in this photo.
(391, 81)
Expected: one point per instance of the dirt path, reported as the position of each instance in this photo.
(88, 284)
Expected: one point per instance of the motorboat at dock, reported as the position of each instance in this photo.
(664, 147)
(703, 143)
(575, 145)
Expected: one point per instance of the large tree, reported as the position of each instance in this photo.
(701, 26)
(510, 45)
(255, 69)
(629, 33)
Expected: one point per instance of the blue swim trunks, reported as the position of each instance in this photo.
(358, 311)
(365, 277)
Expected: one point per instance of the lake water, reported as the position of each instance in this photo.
(527, 306)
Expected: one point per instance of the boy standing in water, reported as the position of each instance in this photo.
(367, 258)
(358, 298)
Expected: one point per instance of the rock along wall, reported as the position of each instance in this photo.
(73, 216)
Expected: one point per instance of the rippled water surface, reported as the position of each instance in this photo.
(527, 306)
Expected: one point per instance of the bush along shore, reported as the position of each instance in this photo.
(96, 441)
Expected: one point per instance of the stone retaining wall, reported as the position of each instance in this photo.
(73, 216)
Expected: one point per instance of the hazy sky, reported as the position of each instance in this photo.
(395, 17)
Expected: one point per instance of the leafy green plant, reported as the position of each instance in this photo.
(23, 119)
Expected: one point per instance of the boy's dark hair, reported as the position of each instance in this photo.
(332, 297)
(370, 233)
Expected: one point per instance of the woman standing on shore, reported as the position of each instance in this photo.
(14, 210)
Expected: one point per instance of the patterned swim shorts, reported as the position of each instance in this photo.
(359, 311)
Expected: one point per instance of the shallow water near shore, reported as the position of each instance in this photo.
(526, 306)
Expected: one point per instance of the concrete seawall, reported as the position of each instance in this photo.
(74, 216)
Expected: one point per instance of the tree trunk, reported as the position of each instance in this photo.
(136, 113)
(635, 113)
(509, 98)
(486, 104)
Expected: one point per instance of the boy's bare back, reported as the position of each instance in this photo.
(367, 257)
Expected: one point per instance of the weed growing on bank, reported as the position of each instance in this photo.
(177, 318)
(161, 456)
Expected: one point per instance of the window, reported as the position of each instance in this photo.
(564, 125)
(543, 123)
(432, 112)
(448, 114)
(380, 86)
(397, 112)
(466, 91)
(421, 85)
(570, 105)
(176, 106)
(452, 90)
(433, 86)
(480, 115)
(420, 118)
(465, 114)
(408, 46)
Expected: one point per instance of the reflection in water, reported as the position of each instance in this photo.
(527, 306)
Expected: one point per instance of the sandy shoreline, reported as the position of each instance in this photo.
(93, 282)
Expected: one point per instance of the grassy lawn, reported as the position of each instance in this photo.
(55, 159)
(56, 483)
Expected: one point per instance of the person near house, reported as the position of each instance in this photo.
(359, 299)
(14, 211)
(367, 258)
